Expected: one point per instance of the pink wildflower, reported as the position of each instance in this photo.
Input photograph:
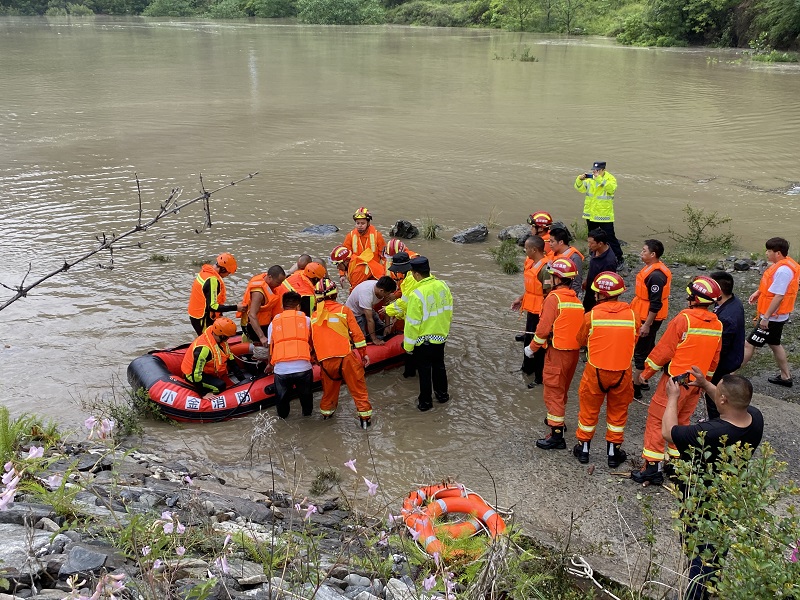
(310, 510)
(180, 528)
(222, 564)
(429, 583)
(90, 424)
(35, 452)
(351, 464)
(145, 550)
(372, 488)
(180, 550)
(169, 527)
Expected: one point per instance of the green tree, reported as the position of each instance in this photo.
(780, 20)
(515, 14)
(341, 12)
(567, 12)
(271, 9)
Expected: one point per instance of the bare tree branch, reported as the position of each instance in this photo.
(110, 242)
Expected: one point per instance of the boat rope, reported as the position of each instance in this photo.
(583, 570)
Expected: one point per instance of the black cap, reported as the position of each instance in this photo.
(420, 263)
(599, 165)
(400, 263)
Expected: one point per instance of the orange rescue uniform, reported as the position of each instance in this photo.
(340, 348)
(765, 297)
(371, 239)
(220, 354)
(641, 301)
(533, 297)
(559, 323)
(609, 330)
(272, 301)
(693, 337)
(199, 305)
(361, 269)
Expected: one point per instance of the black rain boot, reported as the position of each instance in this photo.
(520, 337)
(581, 452)
(365, 422)
(616, 455)
(652, 472)
(554, 441)
(637, 391)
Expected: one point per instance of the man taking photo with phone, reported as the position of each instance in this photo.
(599, 187)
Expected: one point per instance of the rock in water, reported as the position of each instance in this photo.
(742, 265)
(472, 235)
(515, 232)
(320, 230)
(404, 229)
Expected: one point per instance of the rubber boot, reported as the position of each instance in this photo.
(365, 422)
(442, 398)
(520, 337)
(637, 391)
(554, 441)
(581, 452)
(616, 455)
(651, 473)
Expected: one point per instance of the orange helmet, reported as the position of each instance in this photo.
(563, 268)
(227, 262)
(704, 289)
(340, 254)
(394, 246)
(362, 213)
(608, 283)
(314, 270)
(540, 218)
(224, 327)
(325, 288)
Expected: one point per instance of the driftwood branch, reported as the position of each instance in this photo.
(111, 242)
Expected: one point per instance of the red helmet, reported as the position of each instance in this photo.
(540, 218)
(608, 283)
(340, 254)
(704, 289)
(224, 327)
(362, 213)
(563, 268)
(227, 262)
(315, 270)
(325, 288)
(394, 246)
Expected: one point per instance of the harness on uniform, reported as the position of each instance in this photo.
(611, 387)
(340, 376)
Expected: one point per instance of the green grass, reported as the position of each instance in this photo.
(775, 56)
(161, 258)
(324, 480)
(429, 228)
(507, 255)
(692, 258)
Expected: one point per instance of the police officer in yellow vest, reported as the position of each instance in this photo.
(599, 187)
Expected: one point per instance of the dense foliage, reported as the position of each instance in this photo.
(763, 25)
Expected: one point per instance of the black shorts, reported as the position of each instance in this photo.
(772, 338)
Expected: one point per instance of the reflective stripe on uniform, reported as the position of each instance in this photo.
(615, 428)
(652, 365)
(586, 428)
(555, 418)
(652, 455)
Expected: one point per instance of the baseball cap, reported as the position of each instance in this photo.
(420, 263)
(400, 263)
(599, 165)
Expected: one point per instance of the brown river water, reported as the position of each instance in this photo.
(410, 122)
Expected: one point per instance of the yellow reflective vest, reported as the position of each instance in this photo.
(397, 309)
(429, 314)
(599, 203)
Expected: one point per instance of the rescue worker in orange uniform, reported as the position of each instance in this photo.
(260, 304)
(209, 360)
(207, 298)
(303, 283)
(341, 351)
(289, 337)
(365, 237)
(355, 269)
(559, 323)
(534, 276)
(651, 305)
(540, 223)
(559, 244)
(775, 299)
(693, 337)
(609, 331)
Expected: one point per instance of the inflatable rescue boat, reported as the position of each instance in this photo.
(159, 372)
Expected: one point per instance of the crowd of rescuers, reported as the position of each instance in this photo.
(292, 318)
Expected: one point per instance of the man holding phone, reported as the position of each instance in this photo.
(599, 187)
(693, 337)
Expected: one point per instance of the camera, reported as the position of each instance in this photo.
(682, 379)
(588, 176)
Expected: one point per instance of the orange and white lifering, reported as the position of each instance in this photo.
(422, 506)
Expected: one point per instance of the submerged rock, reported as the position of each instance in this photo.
(475, 234)
(320, 230)
(404, 229)
(516, 232)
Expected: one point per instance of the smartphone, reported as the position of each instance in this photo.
(588, 175)
(682, 379)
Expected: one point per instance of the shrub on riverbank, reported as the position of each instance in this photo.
(341, 12)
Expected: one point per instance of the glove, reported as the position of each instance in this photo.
(529, 352)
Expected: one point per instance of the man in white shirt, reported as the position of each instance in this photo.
(361, 301)
(774, 299)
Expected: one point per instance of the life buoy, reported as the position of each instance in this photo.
(422, 506)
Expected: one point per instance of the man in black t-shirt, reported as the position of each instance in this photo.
(738, 422)
(601, 258)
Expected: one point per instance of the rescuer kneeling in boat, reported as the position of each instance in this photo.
(209, 359)
(559, 323)
(341, 351)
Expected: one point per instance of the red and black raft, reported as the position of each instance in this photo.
(159, 372)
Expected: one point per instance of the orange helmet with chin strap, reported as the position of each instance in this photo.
(563, 268)
(227, 262)
(704, 289)
(540, 218)
(223, 327)
(314, 270)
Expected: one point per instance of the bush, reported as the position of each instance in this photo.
(225, 9)
(701, 237)
(341, 12)
(169, 8)
(507, 255)
(431, 14)
(271, 9)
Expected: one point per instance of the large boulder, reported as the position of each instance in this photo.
(320, 230)
(475, 234)
(519, 233)
(404, 229)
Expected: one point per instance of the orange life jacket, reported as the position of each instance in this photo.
(569, 320)
(700, 342)
(533, 297)
(765, 298)
(569, 252)
(371, 239)
(612, 336)
(330, 330)
(298, 282)
(272, 300)
(548, 251)
(197, 299)
(641, 300)
(220, 353)
(289, 339)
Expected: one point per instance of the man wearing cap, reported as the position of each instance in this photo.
(599, 187)
(400, 267)
(428, 317)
